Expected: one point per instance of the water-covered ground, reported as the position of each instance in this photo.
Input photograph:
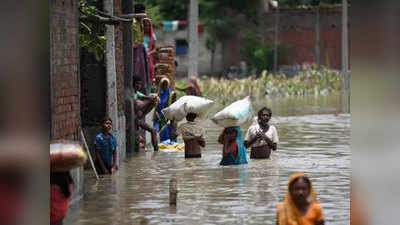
(313, 139)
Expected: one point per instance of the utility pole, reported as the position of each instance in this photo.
(193, 13)
(127, 8)
(276, 39)
(345, 61)
(112, 103)
(317, 37)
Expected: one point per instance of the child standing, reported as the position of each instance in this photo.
(193, 136)
(106, 149)
(233, 152)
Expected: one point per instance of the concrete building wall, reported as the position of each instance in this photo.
(204, 64)
(119, 64)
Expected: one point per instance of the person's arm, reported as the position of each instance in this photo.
(221, 137)
(105, 171)
(181, 89)
(228, 148)
(114, 165)
(201, 141)
(173, 97)
(275, 140)
(248, 143)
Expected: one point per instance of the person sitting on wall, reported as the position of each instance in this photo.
(143, 105)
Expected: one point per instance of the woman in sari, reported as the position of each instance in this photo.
(149, 44)
(140, 60)
(233, 152)
(300, 206)
(167, 97)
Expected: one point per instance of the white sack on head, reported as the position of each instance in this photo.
(235, 114)
(188, 104)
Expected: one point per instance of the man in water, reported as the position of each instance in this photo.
(193, 136)
(262, 137)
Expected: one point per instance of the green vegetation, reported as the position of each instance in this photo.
(91, 35)
(309, 82)
(259, 54)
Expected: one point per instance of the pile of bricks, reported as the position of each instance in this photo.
(165, 64)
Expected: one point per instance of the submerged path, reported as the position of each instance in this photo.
(318, 145)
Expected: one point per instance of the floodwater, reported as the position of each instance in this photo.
(313, 139)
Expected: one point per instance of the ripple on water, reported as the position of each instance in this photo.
(210, 194)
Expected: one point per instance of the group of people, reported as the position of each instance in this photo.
(261, 138)
(300, 206)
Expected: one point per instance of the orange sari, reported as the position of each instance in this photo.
(288, 214)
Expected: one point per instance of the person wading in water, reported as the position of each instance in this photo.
(262, 137)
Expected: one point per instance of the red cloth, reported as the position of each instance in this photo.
(200, 27)
(235, 145)
(10, 204)
(58, 204)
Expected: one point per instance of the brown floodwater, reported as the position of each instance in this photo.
(313, 139)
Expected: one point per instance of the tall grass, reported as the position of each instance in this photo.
(309, 82)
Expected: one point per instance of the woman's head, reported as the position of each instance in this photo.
(164, 84)
(147, 26)
(231, 133)
(300, 189)
(264, 115)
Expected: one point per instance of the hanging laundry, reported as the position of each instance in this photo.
(170, 25)
(175, 24)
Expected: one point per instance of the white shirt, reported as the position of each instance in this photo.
(253, 130)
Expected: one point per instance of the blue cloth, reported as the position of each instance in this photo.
(146, 41)
(227, 160)
(167, 25)
(106, 147)
(158, 124)
(170, 25)
(242, 153)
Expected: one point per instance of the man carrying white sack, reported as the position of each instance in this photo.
(193, 135)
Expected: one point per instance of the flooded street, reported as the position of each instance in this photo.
(312, 140)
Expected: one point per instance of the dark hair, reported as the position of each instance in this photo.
(305, 179)
(139, 8)
(264, 109)
(136, 79)
(105, 119)
(63, 180)
(191, 116)
(230, 130)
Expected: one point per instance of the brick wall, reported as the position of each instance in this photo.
(65, 91)
(119, 57)
(297, 37)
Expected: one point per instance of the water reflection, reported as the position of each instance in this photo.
(210, 194)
